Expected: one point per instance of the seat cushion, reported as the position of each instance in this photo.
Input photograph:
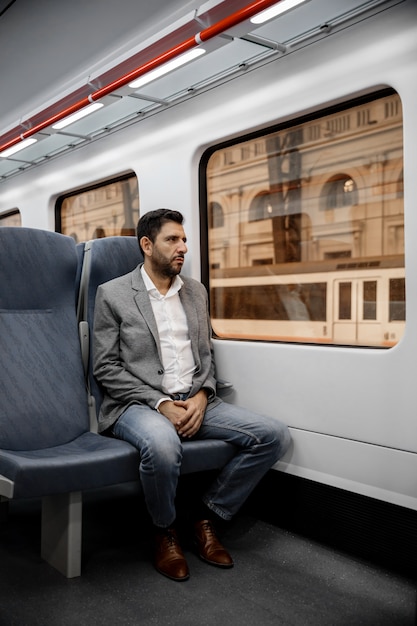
(93, 461)
(88, 462)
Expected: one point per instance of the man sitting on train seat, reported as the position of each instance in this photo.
(154, 359)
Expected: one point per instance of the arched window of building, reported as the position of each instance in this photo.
(340, 191)
(216, 215)
(261, 207)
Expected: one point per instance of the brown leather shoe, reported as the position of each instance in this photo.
(209, 547)
(169, 558)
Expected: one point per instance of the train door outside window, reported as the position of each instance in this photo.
(357, 315)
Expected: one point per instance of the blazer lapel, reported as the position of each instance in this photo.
(143, 303)
(192, 319)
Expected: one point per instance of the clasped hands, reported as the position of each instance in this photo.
(186, 415)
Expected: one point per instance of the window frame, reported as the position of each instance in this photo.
(235, 144)
(89, 188)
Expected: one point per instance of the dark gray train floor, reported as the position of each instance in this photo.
(279, 578)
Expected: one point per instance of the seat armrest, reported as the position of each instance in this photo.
(224, 387)
(84, 333)
(223, 384)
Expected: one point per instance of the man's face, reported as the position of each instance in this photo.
(168, 250)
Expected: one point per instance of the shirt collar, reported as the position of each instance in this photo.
(176, 285)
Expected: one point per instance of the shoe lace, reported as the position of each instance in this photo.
(170, 538)
(208, 527)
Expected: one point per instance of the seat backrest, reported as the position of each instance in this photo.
(104, 259)
(42, 388)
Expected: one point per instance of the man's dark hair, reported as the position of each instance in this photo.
(151, 223)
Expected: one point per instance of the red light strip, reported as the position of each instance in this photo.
(208, 33)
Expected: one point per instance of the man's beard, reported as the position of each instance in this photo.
(166, 269)
(170, 272)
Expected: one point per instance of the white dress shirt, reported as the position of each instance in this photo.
(177, 356)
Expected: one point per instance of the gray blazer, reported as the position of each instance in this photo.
(126, 347)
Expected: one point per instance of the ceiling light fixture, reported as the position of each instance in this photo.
(167, 67)
(19, 146)
(281, 7)
(78, 115)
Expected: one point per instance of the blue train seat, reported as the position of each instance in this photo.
(105, 259)
(47, 450)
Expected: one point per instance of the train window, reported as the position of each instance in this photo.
(345, 301)
(306, 228)
(397, 300)
(369, 299)
(11, 218)
(283, 302)
(102, 210)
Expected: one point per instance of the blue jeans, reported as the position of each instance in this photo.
(260, 442)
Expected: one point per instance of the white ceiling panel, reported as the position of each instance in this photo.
(209, 67)
(48, 46)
